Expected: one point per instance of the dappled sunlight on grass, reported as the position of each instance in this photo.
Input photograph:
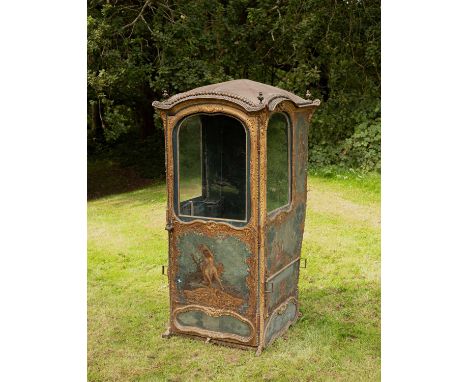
(336, 339)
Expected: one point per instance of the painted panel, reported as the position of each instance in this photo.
(222, 324)
(284, 286)
(280, 320)
(213, 271)
(284, 239)
(285, 228)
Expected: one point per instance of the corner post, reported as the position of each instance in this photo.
(262, 165)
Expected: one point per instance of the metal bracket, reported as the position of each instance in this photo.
(271, 290)
(169, 227)
(305, 262)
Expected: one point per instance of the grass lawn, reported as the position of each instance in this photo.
(336, 339)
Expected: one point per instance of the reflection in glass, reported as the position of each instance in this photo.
(212, 167)
(278, 174)
(190, 168)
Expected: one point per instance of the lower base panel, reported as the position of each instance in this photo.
(168, 334)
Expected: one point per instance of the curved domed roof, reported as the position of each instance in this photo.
(251, 95)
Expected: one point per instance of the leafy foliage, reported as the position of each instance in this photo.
(138, 49)
(362, 149)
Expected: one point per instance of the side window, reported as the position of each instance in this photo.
(212, 168)
(278, 162)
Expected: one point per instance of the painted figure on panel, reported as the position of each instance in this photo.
(205, 286)
(208, 267)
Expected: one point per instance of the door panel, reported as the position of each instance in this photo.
(213, 262)
(214, 268)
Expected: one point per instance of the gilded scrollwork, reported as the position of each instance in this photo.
(212, 312)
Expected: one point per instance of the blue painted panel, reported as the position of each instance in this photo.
(221, 324)
(279, 321)
(284, 240)
(284, 286)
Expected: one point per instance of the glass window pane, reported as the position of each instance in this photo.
(278, 173)
(212, 167)
(190, 169)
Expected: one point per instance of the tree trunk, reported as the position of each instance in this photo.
(96, 126)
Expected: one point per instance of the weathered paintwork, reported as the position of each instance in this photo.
(284, 237)
(281, 319)
(284, 240)
(230, 255)
(283, 285)
(236, 282)
(222, 324)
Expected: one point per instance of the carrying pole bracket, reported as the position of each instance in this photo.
(305, 262)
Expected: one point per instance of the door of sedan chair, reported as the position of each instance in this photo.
(212, 239)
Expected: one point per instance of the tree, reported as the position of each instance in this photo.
(136, 50)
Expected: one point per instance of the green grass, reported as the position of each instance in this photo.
(336, 339)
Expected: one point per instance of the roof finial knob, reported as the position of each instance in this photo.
(165, 94)
(308, 94)
(260, 97)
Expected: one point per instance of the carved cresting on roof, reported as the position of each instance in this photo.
(241, 92)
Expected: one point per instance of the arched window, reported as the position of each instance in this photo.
(278, 162)
(212, 168)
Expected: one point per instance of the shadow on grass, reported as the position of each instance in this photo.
(108, 178)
